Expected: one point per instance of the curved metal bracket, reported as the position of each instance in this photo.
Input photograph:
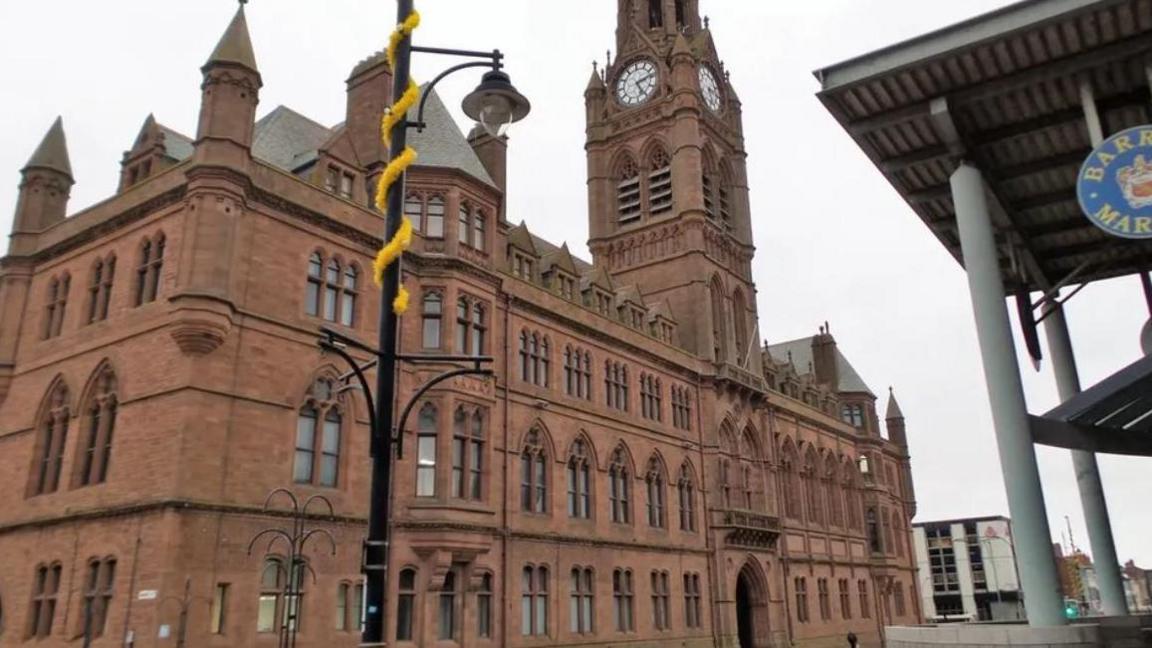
(328, 345)
(419, 123)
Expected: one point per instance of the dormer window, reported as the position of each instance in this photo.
(853, 415)
(565, 285)
(470, 227)
(346, 180)
(603, 303)
(637, 317)
(426, 214)
(522, 265)
(338, 181)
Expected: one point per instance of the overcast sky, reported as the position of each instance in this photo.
(834, 240)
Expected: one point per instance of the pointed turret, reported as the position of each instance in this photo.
(229, 96)
(894, 418)
(44, 190)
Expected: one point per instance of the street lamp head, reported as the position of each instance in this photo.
(496, 104)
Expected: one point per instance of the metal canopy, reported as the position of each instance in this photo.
(1114, 416)
(1010, 84)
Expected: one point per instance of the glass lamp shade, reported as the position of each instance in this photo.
(496, 104)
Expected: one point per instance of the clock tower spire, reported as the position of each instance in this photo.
(667, 186)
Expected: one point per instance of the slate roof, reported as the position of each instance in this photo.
(235, 45)
(283, 137)
(544, 248)
(801, 352)
(52, 153)
(176, 145)
(442, 144)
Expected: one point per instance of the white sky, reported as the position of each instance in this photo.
(834, 240)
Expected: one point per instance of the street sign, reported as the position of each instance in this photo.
(147, 595)
(1115, 184)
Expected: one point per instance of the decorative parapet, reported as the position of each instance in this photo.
(748, 529)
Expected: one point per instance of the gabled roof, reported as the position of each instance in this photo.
(597, 276)
(235, 45)
(442, 143)
(800, 353)
(560, 259)
(545, 248)
(630, 293)
(284, 137)
(520, 238)
(52, 153)
(660, 310)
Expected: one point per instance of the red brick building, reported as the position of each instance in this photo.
(641, 469)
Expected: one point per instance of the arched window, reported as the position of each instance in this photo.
(471, 326)
(479, 329)
(57, 304)
(52, 435)
(414, 210)
(789, 481)
(479, 224)
(681, 408)
(886, 521)
(406, 605)
(740, 320)
(279, 603)
(434, 221)
(659, 182)
(332, 276)
(468, 454)
(582, 606)
(315, 282)
(619, 490)
(651, 398)
(623, 599)
(447, 618)
(45, 588)
(535, 363)
(726, 482)
(655, 14)
(616, 385)
(427, 426)
(464, 224)
(655, 480)
(579, 481)
(148, 270)
(661, 612)
(349, 607)
(746, 480)
(812, 488)
(318, 437)
(719, 328)
(534, 601)
(348, 300)
(484, 607)
(692, 609)
(433, 312)
(851, 496)
(100, 289)
(874, 539)
(100, 423)
(686, 490)
(98, 585)
(680, 15)
(534, 474)
(832, 490)
(628, 204)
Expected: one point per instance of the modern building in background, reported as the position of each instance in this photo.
(967, 570)
(1139, 583)
(640, 470)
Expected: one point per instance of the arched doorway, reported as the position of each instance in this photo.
(752, 626)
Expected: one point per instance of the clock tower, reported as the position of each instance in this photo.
(667, 182)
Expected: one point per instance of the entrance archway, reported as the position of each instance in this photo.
(752, 625)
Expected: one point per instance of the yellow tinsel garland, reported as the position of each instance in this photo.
(393, 250)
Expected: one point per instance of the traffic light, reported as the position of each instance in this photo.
(1071, 608)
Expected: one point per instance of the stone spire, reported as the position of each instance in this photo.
(235, 46)
(893, 407)
(894, 419)
(52, 154)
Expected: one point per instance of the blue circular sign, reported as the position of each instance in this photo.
(1115, 184)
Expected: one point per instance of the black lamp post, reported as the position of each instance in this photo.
(496, 104)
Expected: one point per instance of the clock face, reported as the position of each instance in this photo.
(710, 89)
(637, 83)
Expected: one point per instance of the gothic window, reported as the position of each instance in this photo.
(280, 601)
(406, 605)
(708, 185)
(45, 588)
(534, 601)
(831, 488)
(874, 539)
(661, 619)
(332, 276)
(534, 475)
(681, 408)
(577, 373)
(434, 218)
(726, 482)
(579, 481)
(746, 480)
(680, 24)
(464, 223)
(446, 626)
(331, 290)
(433, 312)
(823, 599)
(886, 522)
(318, 432)
(723, 197)
(853, 415)
(427, 426)
(315, 284)
(100, 289)
(468, 454)
(534, 358)
(51, 438)
(655, 480)
(349, 607)
(686, 491)
(470, 227)
(740, 320)
(484, 607)
(582, 606)
(898, 599)
(348, 298)
(619, 488)
(851, 495)
(789, 482)
(655, 14)
(97, 595)
(148, 270)
(692, 609)
(719, 330)
(652, 394)
(616, 385)
(812, 489)
(659, 182)
(523, 266)
(463, 324)
(865, 609)
(628, 191)
(801, 585)
(414, 210)
(623, 598)
(479, 223)
(845, 599)
(99, 422)
(57, 304)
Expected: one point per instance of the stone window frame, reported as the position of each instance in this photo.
(582, 601)
(435, 319)
(535, 477)
(693, 617)
(616, 385)
(535, 587)
(845, 599)
(407, 611)
(98, 421)
(579, 469)
(623, 600)
(823, 599)
(471, 333)
(656, 482)
(149, 266)
(328, 406)
(661, 600)
(427, 438)
(484, 599)
(469, 453)
(433, 207)
(651, 397)
(578, 372)
(620, 486)
(472, 226)
(349, 606)
(628, 195)
(56, 305)
(333, 289)
(535, 351)
(862, 591)
(448, 607)
(681, 408)
(102, 277)
(287, 611)
(658, 182)
(686, 496)
(99, 584)
(51, 440)
(801, 587)
(43, 601)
